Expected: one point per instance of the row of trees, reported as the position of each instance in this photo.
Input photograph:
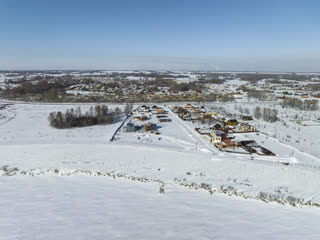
(46, 89)
(43, 87)
(313, 87)
(309, 105)
(100, 114)
(267, 114)
(258, 94)
(128, 109)
(226, 97)
(255, 77)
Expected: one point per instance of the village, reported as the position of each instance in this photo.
(149, 92)
(224, 133)
(158, 87)
(221, 133)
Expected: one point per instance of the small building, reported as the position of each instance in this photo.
(232, 122)
(206, 116)
(221, 134)
(249, 143)
(196, 110)
(215, 138)
(227, 143)
(162, 116)
(132, 128)
(165, 120)
(188, 106)
(217, 127)
(203, 131)
(144, 108)
(149, 127)
(247, 118)
(143, 118)
(246, 128)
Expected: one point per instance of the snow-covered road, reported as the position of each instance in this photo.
(198, 138)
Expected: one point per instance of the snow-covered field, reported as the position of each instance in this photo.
(248, 178)
(78, 207)
(30, 126)
(74, 183)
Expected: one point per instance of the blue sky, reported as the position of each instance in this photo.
(273, 35)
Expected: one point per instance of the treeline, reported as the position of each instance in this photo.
(42, 86)
(267, 114)
(172, 84)
(100, 114)
(211, 81)
(260, 95)
(183, 87)
(225, 97)
(255, 77)
(257, 94)
(46, 89)
(309, 105)
(143, 75)
(313, 87)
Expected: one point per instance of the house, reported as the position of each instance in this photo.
(196, 110)
(188, 106)
(144, 108)
(232, 122)
(165, 120)
(217, 127)
(206, 116)
(143, 118)
(215, 138)
(160, 111)
(227, 143)
(132, 128)
(247, 118)
(149, 127)
(246, 128)
(221, 134)
(203, 131)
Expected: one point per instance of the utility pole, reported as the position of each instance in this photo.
(291, 155)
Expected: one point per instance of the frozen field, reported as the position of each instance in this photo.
(172, 167)
(30, 125)
(49, 207)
